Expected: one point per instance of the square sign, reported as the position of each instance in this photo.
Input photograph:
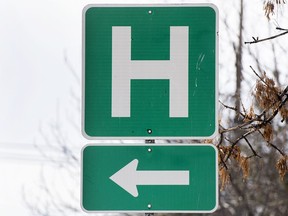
(149, 178)
(150, 71)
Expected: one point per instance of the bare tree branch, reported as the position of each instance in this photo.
(256, 40)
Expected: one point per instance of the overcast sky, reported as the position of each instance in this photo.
(35, 84)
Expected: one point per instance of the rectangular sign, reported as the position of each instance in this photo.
(150, 71)
(149, 178)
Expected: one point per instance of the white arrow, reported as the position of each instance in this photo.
(129, 177)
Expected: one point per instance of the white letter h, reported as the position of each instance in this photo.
(175, 70)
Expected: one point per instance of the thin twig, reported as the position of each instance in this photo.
(265, 39)
(222, 161)
(252, 149)
(244, 110)
(257, 75)
(237, 140)
(281, 29)
(232, 108)
(272, 145)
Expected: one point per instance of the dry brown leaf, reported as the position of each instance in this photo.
(224, 177)
(282, 166)
(268, 132)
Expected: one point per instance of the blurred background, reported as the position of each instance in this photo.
(40, 112)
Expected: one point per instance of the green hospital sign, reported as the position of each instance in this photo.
(150, 71)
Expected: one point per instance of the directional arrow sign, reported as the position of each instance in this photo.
(137, 177)
(149, 178)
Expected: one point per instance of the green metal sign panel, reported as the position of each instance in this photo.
(150, 71)
(149, 178)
